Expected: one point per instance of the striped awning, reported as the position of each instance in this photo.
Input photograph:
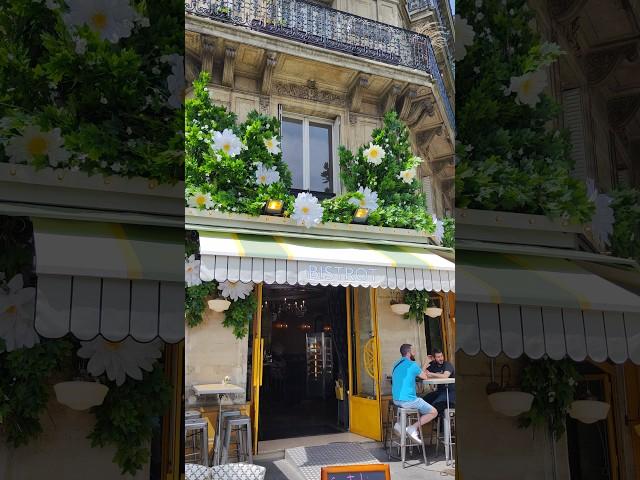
(308, 261)
(536, 305)
(114, 280)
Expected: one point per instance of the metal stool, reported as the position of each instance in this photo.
(196, 437)
(242, 427)
(388, 426)
(451, 412)
(189, 414)
(406, 417)
(223, 424)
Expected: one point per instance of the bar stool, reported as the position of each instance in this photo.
(188, 414)
(406, 417)
(197, 438)
(451, 414)
(242, 427)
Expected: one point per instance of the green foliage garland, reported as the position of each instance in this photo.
(553, 386)
(508, 158)
(449, 237)
(128, 416)
(417, 300)
(240, 314)
(231, 181)
(625, 240)
(400, 204)
(195, 301)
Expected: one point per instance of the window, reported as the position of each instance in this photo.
(308, 149)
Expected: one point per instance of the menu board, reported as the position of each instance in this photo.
(378, 471)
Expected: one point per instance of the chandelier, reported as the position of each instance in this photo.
(277, 307)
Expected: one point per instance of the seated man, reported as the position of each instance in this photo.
(437, 367)
(403, 389)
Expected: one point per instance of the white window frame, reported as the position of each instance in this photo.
(306, 156)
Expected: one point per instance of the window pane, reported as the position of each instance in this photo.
(320, 157)
(292, 149)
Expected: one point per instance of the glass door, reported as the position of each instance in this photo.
(364, 377)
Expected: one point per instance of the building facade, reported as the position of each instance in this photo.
(329, 71)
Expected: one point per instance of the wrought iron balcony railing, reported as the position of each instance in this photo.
(416, 6)
(328, 28)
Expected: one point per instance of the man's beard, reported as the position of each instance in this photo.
(413, 358)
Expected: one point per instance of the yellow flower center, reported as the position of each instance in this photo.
(374, 153)
(99, 20)
(269, 143)
(201, 200)
(37, 146)
(305, 210)
(263, 179)
(113, 346)
(362, 202)
(526, 86)
(189, 269)
(11, 310)
(226, 147)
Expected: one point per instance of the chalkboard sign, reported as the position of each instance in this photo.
(377, 471)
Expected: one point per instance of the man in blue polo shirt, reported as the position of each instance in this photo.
(403, 390)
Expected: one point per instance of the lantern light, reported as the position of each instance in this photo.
(274, 207)
(361, 216)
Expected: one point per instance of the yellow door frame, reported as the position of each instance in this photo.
(257, 367)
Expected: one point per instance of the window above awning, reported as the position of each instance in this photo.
(535, 305)
(308, 261)
(114, 280)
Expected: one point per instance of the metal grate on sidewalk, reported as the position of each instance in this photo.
(309, 460)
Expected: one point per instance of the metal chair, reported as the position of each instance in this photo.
(440, 436)
(405, 417)
(241, 426)
(196, 443)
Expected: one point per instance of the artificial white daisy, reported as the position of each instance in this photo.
(464, 36)
(35, 142)
(176, 82)
(369, 200)
(307, 210)
(266, 176)
(228, 142)
(120, 359)
(273, 145)
(374, 154)
(235, 290)
(110, 19)
(439, 232)
(528, 87)
(192, 271)
(17, 307)
(603, 218)
(200, 200)
(408, 175)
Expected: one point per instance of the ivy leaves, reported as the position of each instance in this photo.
(417, 300)
(625, 241)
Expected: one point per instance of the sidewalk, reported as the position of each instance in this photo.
(280, 469)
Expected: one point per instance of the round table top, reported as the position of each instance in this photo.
(439, 381)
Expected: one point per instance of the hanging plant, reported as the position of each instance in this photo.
(417, 300)
(553, 386)
(625, 240)
(240, 314)
(449, 235)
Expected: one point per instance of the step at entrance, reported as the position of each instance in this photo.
(309, 460)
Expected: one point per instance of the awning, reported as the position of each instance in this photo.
(536, 305)
(307, 261)
(110, 279)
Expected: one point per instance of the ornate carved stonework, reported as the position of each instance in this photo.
(357, 91)
(270, 63)
(265, 104)
(564, 9)
(306, 92)
(570, 32)
(599, 64)
(229, 65)
(622, 109)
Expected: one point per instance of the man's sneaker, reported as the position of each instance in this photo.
(396, 427)
(413, 433)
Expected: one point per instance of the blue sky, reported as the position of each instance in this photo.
(453, 6)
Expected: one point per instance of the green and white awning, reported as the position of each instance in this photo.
(308, 261)
(535, 305)
(114, 280)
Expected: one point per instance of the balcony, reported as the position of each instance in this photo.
(325, 27)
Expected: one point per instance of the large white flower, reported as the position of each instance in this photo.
(374, 154)
(35, 142)
(235, 290)
(17, 306)
(408, 175)
(227, 142)
(266, 176)
(464, 36)
(306, 210)
(603, 218)
(111, 19)
(176, 82)
(192, 271)
(200, 200)
(369, 200)
(273, 145)
(528, 87)
(120, 359)
(439, 232)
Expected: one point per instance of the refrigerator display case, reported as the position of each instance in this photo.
(319, 365)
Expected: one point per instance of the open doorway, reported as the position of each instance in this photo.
(305, 358)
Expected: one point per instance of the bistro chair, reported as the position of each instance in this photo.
(405, 417)
(196, 436)
(241, 426)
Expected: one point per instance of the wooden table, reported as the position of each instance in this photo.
(218, 389)
(447, 422)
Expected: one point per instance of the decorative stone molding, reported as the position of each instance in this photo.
(421, 110)
(409, 96)
(599, 64)
(357, 91)
(265, 104)
(270, 63)
(441, 165)
(389, 100)
(306, 92)
(570, 33)
(424, 137)
(207, 48)
(622, 109)
(229, 66)
(562, 10)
